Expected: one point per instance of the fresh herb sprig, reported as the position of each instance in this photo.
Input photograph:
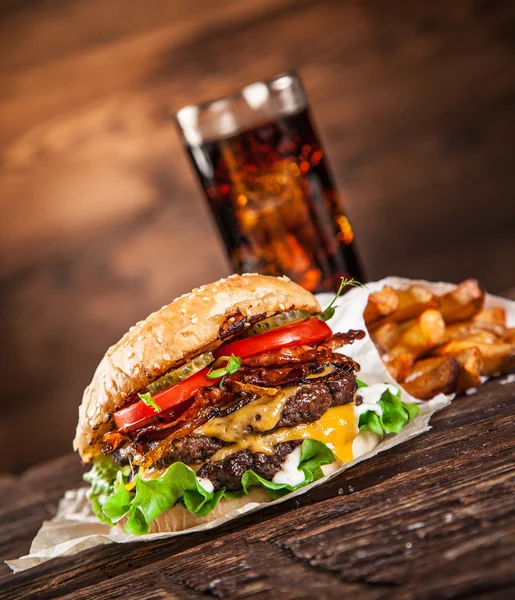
(232, 364)
(328, 313)
(147, 399)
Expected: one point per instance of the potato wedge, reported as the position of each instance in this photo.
(427, 332)
(497, 358)
(496, 315)
(488, 333)
(412, 302)
(471, 365)
(463, 302)
(399, 366)
(442, 379)
(381, 304)
(425, 365)
(387, 335)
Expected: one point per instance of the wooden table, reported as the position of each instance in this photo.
(433, 518)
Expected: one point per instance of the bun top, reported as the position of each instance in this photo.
(172, 335)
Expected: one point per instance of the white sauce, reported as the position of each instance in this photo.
(289, 472)
(363, 443)
(207, 484)
(371, 396)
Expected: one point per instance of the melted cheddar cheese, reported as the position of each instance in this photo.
(243, 429)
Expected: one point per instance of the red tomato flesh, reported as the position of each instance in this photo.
(133, 416)
(307, 332)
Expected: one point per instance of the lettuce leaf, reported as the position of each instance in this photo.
(395, 414)
(102, 478)
(148, 498)
(112, 501)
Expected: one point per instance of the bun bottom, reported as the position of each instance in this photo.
(178, 518)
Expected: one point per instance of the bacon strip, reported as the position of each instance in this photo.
(272, 369)
(205, 406)
(343, 339)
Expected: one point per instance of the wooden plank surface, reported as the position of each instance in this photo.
(101, 218)
(433, 518)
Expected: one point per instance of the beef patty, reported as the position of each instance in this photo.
(227, 473)
(308, 404)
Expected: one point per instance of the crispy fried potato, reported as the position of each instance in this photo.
(381, 304)
(509, 336)
(441, 379)
(425, 365)
(496, 315)
(412, 302)
(427, 332)
(471, 364)
(497, 358)
(386, 335)
(488, 333)
(399, 366)
(463, 302)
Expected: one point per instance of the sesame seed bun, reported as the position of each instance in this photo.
(172, 335)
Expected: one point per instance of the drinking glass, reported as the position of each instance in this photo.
(267, 181)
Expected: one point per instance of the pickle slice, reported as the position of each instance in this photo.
(180, 374)
(286, 318)
(327, 370)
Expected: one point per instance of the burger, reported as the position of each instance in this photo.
(234, 393)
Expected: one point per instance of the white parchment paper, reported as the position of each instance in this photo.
(75, 528)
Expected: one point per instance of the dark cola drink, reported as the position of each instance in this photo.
(273, 198)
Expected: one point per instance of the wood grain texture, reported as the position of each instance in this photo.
(101, 218)
(433, 518)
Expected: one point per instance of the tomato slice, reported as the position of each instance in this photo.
(307, 332)
(134, 415)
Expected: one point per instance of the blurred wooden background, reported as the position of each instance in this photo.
(101, 217)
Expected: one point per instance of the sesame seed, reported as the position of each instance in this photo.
(194, 319)
(157, 366)
(184, 311)
(232, 319)
(140, 338)
(246, 325)
(132, 328)
(160, 340)
(124, 395)
(130, 355)
(166, 357)
(281, 306)
(136, 371)
(205, 298)
(164, 306)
